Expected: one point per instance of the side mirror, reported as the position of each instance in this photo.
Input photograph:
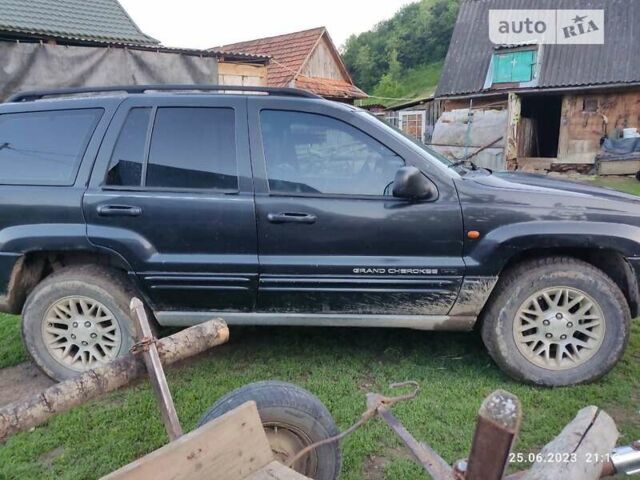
(410, 183)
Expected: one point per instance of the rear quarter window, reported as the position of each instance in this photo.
(44, 148)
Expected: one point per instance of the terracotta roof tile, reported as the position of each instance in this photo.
(288, 52)
(328, 87)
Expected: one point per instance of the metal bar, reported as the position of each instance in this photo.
(433, 463)
(139, 89)
(496, 429)
(156, 372)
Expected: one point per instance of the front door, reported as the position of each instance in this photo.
(171, 192)
(332, 239)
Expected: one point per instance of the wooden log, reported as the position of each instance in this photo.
(155, 371)
(38, 408)
(581, 449)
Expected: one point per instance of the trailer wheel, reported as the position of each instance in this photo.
(292, 418)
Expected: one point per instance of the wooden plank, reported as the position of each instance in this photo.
(513, 121)
(573, 454)
(155, 371)
(276, 471)
(619, 167)
(230, 447)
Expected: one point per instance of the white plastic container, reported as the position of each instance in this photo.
(630, 133)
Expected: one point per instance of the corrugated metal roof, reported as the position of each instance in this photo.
(96, 21)
(615, 62)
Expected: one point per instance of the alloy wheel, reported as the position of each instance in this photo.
(81, 333)
(559, 328)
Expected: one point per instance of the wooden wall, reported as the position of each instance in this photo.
(323, 64)
(581, 131)
(242, 74)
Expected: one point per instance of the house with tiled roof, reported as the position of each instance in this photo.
(86, 43)
(308, 59)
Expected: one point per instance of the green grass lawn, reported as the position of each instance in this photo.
(624, 184)
(11, 350)
(339, 366)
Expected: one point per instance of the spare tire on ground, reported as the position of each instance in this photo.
(293, 418)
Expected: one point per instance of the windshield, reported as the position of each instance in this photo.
(423, 148)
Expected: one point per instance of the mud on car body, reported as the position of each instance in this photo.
(287, 209)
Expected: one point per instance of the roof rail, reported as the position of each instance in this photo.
(137, 89)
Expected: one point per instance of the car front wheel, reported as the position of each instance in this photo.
(556, 321)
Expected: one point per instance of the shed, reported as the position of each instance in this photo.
(308, 59)
(561, 100)
(77, 43)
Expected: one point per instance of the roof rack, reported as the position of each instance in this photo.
(138, 89)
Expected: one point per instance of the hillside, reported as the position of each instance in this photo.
(401, 58)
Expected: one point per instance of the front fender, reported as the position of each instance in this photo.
(492, 251)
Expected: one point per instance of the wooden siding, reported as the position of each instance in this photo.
(323, 64)
(581, 131)
(242, 74)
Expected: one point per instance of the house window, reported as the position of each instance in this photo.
(590, 105)
(514, 67)
(412, 123)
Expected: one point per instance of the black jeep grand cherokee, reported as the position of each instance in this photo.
(281, 208)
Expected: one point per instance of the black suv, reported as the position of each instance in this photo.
(276, 207)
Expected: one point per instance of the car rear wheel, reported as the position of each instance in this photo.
(77, 319)
(556, 321)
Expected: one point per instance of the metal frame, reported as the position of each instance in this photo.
(141, 89)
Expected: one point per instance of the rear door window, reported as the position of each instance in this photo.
(190, 148)
(44, 148)
(193, 148)
(128, 156)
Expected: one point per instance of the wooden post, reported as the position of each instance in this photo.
(37, 409)
(155, 370)
(496, 430)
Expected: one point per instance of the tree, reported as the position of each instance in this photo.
(418, 34)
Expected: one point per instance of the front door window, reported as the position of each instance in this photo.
(308, 153)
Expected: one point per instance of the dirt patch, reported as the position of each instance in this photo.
(47, 459)
(22, 380)
(373, 468)
(375, 465)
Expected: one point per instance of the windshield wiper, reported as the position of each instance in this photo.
(464, 163)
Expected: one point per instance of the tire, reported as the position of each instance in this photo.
(66, 296)
(513, 327)
(299, 414)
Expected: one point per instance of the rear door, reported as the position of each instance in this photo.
(172, 193)
(332, 239)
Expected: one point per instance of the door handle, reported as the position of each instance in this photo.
(119, 211)
(292, 217)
